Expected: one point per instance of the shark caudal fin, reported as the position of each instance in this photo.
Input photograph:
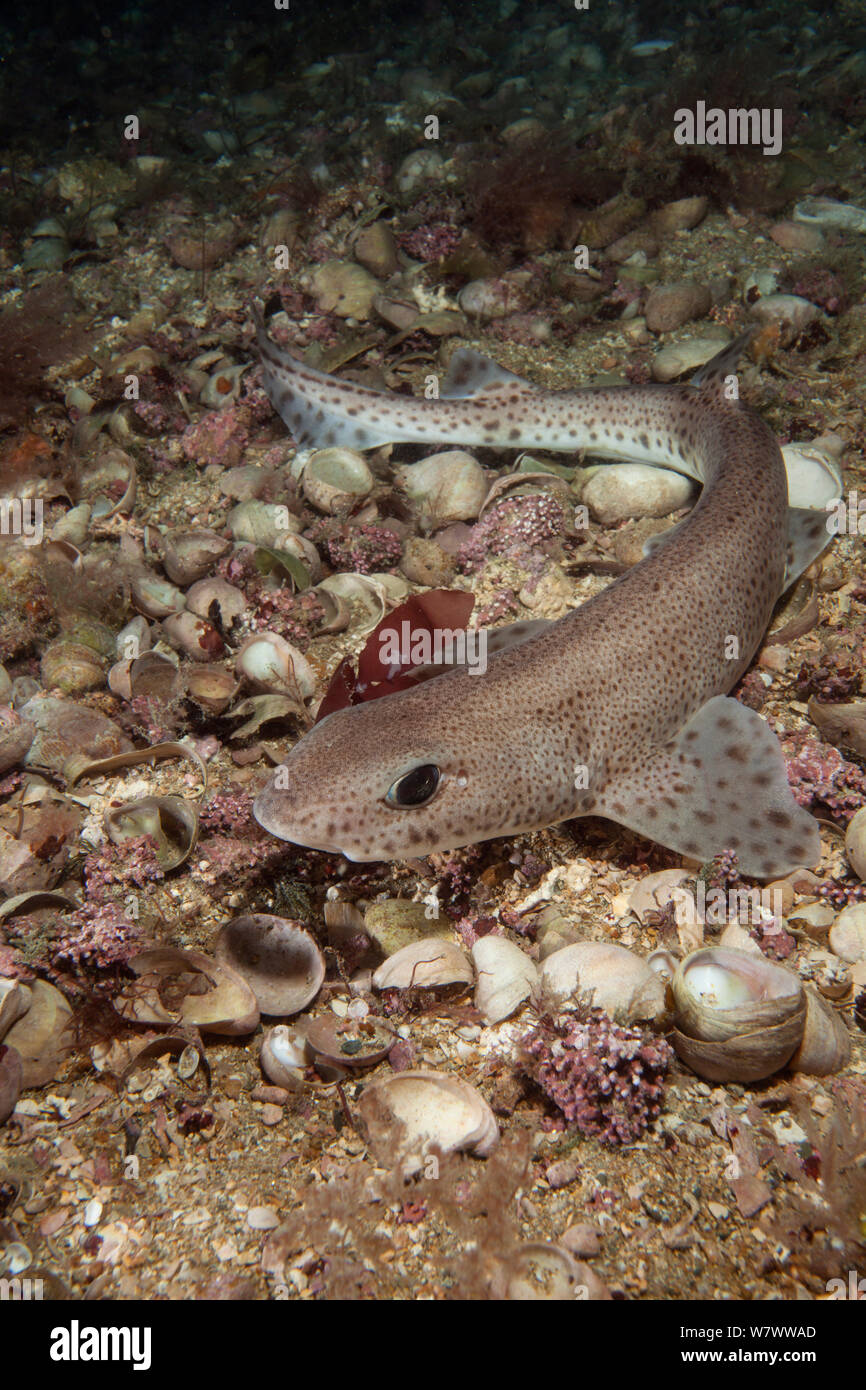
(720, 784)
(314, 406)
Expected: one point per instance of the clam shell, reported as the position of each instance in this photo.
(505, 977)
(271, 664)
(262, 523)
(766, 994)
(446, 487)
(747, 1057)
(413, 1112)
(549, 1273)
(193, 635)
(211, 686)
(171, 820)
(231, 603)
(279, 960)
(190, 555)
(336, 478)
(165, 993)
(855, 843)
(155, 597)
(349, 1043)
(42, 1036)
(425, 965)
(826, 1045)
(620, 982)
(71, 667)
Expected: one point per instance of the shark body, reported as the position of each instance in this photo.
(620, 709)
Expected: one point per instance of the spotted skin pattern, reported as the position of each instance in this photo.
(619, 708)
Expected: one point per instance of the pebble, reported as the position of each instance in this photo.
(581, 1239)
(419, 167)
(678, 358)
(797, 236)
(622, 491)
(682, 215)
(848, 934)
(262, 1218)
(270, 1095)
(344, 289)
(670, 306)
(791, 313)
(376, 250)
(271, 1114)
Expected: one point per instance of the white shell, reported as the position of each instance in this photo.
(424, 965)
(412, 1112)
(855, 843)
(276, 957)
(848, 934)
(272, 664)
(284, 1056)
(506, 976)
(447, 487)
(335, 478)
(621, 983)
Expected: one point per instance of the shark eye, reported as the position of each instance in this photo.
(414, 788)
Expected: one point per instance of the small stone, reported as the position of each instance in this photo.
(271, 1114)
(679, 358)
(270, 1095)
(425, 562)
(376, 250)
(262, 1218)
(848, 934)
(344, 289)
(419, 167)
(670, 306)
(620, 491)
(581, 1239)
(788, 312)
(682, 215)
(562, 1172)
(633, 243)
(233, 1086)
(797, 236)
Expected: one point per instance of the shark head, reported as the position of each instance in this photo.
(404, 776)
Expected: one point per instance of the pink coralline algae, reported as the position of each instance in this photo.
(606, 1080)
(364, 549)
(823, 288)
(430, 242)
(513, 528)
(821, 778)
(96, 938)
(115, 870)
(218, 437)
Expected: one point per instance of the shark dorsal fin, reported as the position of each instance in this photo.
(470, 372)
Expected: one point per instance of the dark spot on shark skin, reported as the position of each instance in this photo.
(780, 818)
(737, 753)
(706, 817)
(514, 434)
(691, 847)
(724, 722)
(643, 440)
(416, 836)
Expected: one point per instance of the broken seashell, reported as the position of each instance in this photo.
(193, 635)
(334, 479)
(185, 987)
(826, 1045)
(271, 664)
(739, 1016)
(76, 768)
(415, 1115)
(15, 999)
(189, 555)
(151, 675)
(549, 1273)
(155, 597)
(42, 1036)
(349, 1043)
(284, 1057)
(217, 601)
(262, 523)
(505, 977)
(171, 821)
(73, 526)
(279, 960)
(212, 687)
(425, 965)
(620, 982)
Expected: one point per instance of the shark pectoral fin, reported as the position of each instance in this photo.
(470, 372)
(719, 785)
(808, 536)
(655, 543)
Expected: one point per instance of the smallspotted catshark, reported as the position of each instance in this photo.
(619, 709)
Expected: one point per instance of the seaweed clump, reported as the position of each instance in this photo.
(37, 333)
